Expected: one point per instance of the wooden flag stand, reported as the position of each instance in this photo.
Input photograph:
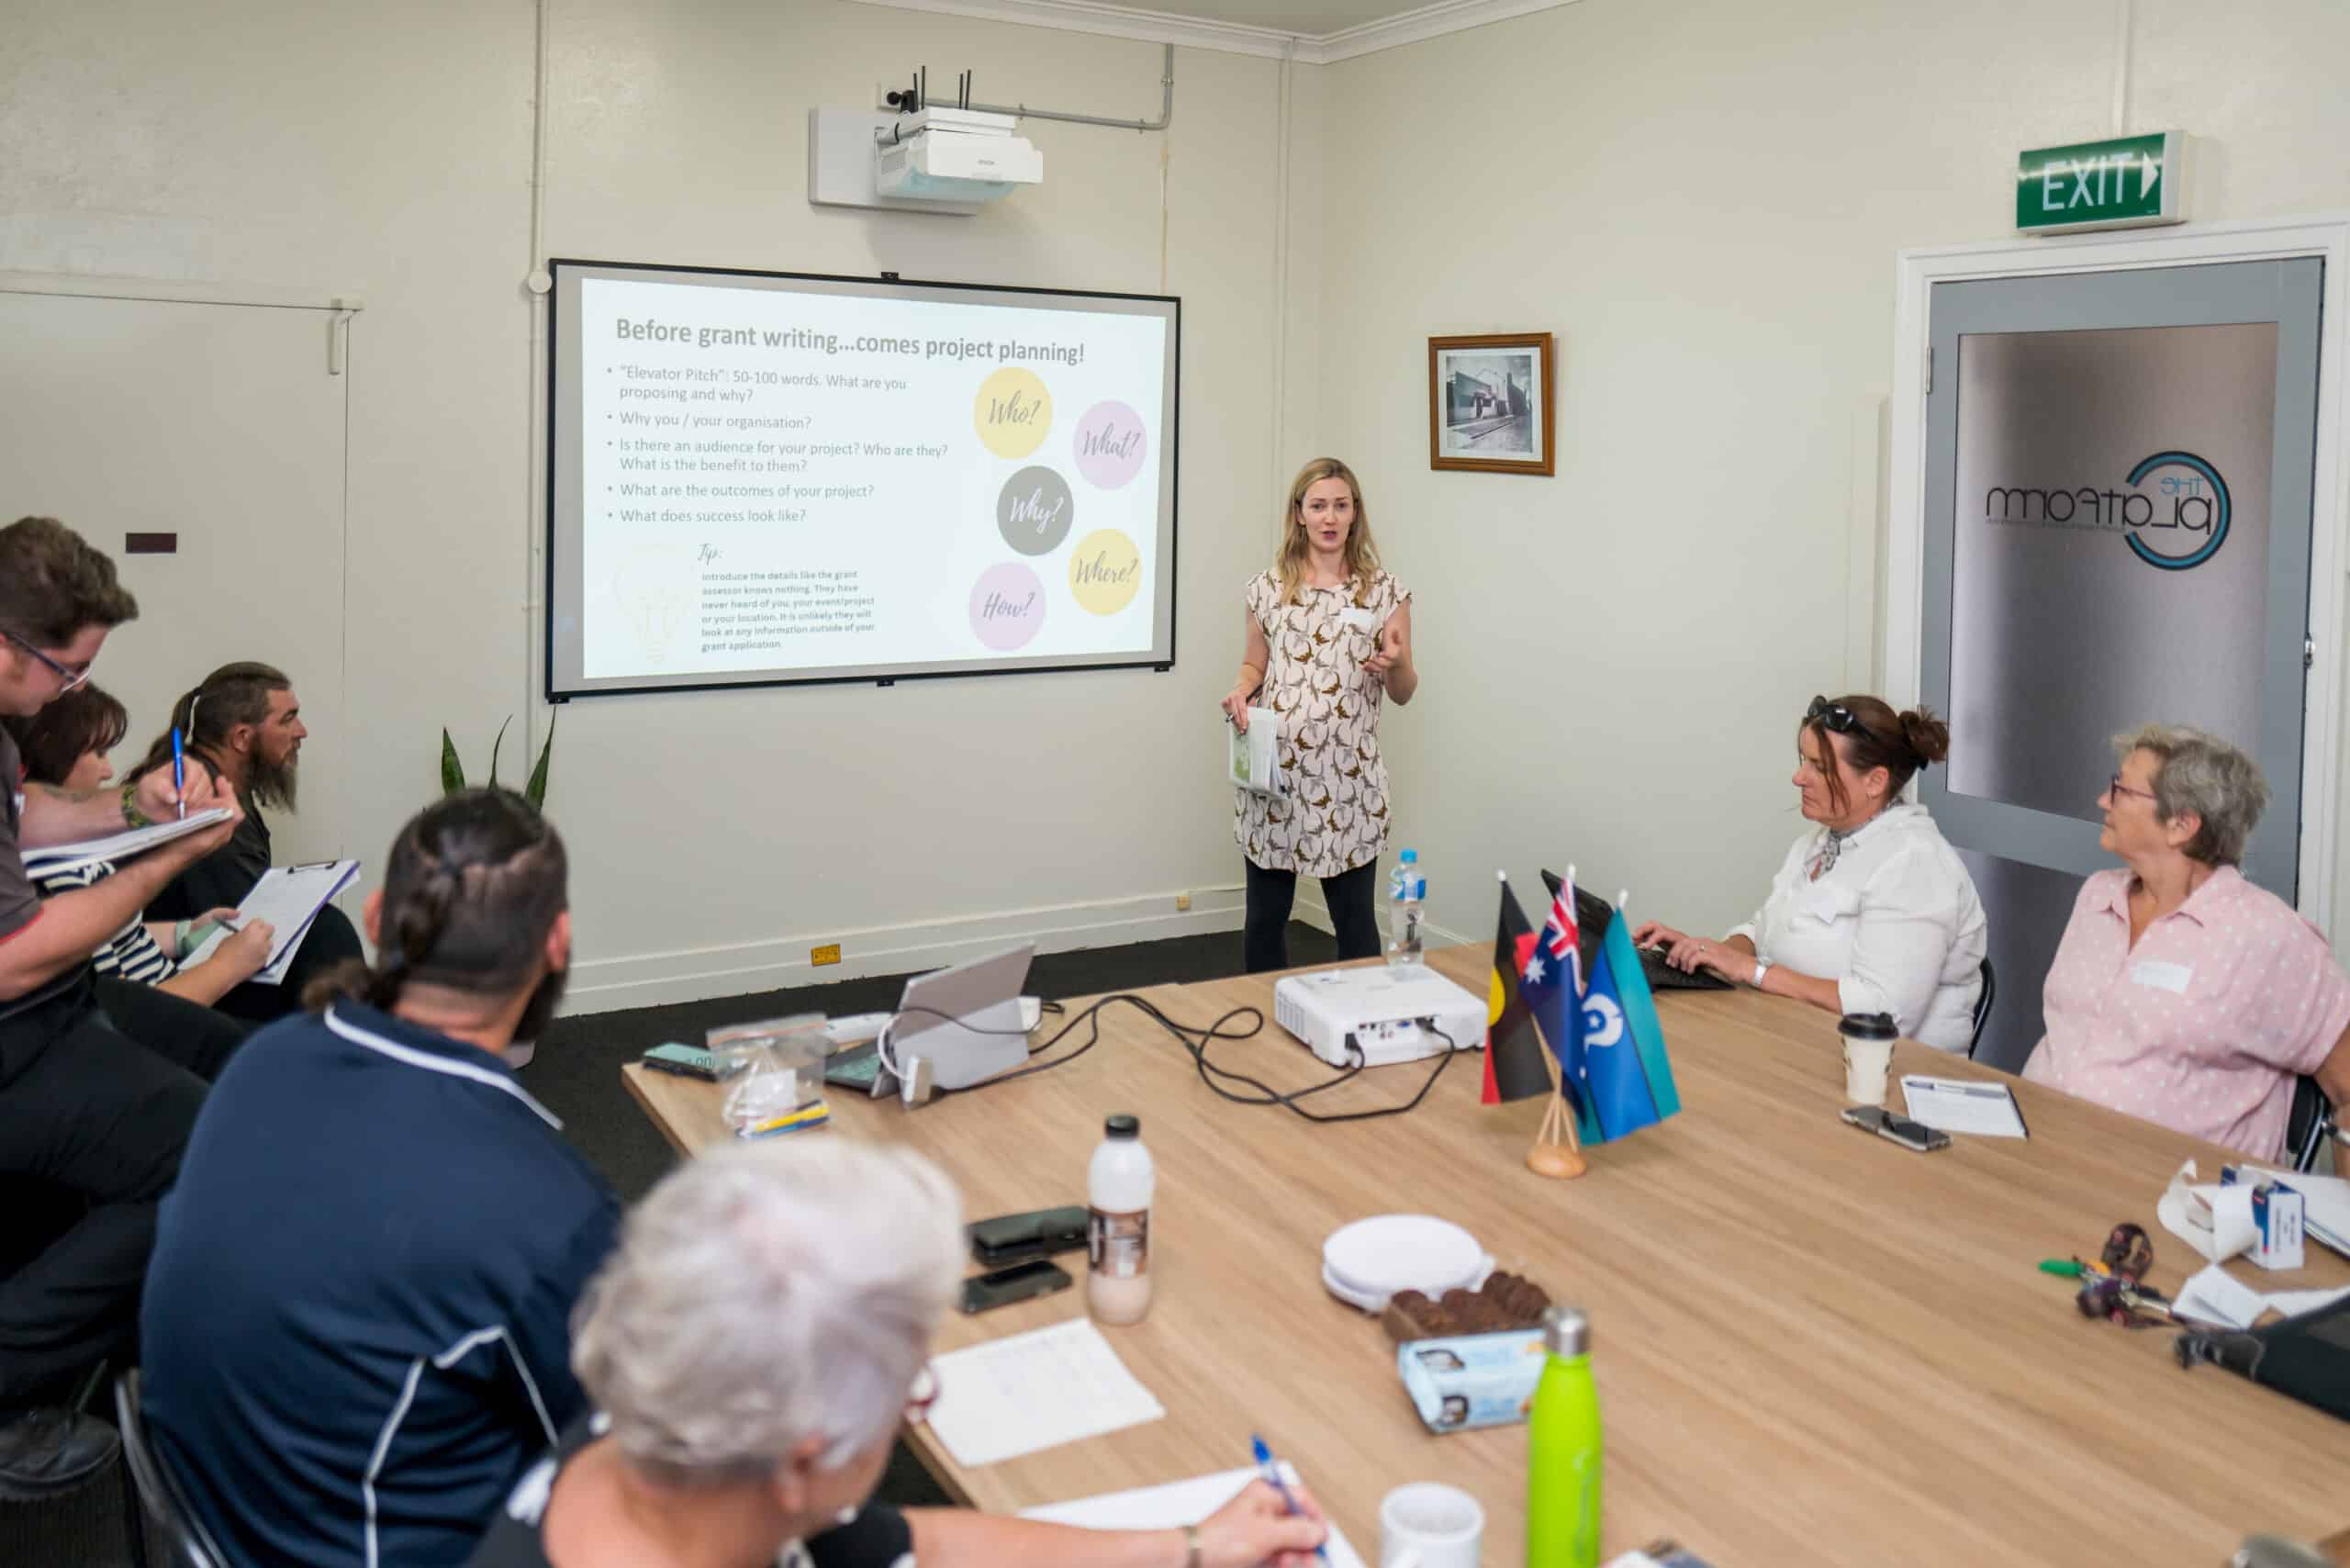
(1550, 1156)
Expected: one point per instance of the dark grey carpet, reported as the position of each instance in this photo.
(577, 1075)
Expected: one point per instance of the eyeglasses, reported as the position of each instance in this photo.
(1835, 715)
(2115, 787)
(75, 679)
(922, 1396)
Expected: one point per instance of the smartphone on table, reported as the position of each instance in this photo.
(984, 1293)
(1909, 1133)
(685, 1061)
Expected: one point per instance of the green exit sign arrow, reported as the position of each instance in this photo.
(2130, 182)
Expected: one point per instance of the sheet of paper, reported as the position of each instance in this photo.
(1956, 1106)
(1175, 1505)
(118, 846)
(2214, 1295)
(2292, 1304)
(289, 898)
(1035, 1390)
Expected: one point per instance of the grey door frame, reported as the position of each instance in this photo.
(2326, 236)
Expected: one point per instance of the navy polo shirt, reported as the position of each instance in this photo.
(356, 1326)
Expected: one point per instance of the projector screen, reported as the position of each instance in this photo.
(760, 478)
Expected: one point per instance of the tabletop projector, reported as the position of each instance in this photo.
(1373, 1017)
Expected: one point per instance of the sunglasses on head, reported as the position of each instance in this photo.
(1835, 715)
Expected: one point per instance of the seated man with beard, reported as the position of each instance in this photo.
(243, 723)
(356, 1325)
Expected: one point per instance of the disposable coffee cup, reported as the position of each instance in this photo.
(1429, 1525)
(1868, 1055)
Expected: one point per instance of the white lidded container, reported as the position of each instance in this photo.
(1119, 1186)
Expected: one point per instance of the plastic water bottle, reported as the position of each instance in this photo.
(1119, 1186)
(1564, 1449)
(1407, 899)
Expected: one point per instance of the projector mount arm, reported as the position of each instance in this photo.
(915, 97)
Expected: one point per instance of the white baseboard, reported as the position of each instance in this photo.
(694, 974)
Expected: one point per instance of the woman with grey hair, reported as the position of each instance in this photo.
(2181, 993)
(752, 1347)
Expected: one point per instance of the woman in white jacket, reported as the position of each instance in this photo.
(1871, 911)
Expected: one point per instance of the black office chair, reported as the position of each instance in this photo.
(1982, 1010)
(159, 1492)
(2308, 1126)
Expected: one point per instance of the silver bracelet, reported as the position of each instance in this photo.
(1760, 969)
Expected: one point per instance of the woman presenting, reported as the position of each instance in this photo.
(1326, 637)
(1872, 910)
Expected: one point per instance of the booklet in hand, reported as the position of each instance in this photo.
(57, 858)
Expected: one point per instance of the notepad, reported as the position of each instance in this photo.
(1255, 759)
(1957, 1105)
(1035, 1390)
(289, 898)
(118, 846)
(1174, 1505)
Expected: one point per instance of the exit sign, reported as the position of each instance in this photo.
(2131, 182)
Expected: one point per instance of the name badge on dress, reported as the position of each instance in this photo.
(2171, 978)
(1359, 618)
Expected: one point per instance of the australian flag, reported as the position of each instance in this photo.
(1552, 985)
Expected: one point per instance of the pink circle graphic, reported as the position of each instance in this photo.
(1007, 606)
(1110, 445)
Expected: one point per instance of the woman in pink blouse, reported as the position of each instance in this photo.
(2181, 993)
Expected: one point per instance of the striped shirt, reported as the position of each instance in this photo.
(129, 953)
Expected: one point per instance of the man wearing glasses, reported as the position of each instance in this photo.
(91, 1120)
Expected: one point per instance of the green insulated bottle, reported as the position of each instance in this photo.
(1564, 1449)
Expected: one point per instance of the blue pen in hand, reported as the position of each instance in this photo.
(1272, 1475)
(179, 771)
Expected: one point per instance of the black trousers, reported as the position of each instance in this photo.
(1350, 897)
(98, 1092)
(330, 940)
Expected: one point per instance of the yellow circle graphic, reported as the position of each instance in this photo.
(1103, 571)
(1013, 412)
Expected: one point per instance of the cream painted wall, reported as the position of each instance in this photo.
(1703, 198)
(387, 153)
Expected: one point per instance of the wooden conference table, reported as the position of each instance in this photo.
(1811, 1346)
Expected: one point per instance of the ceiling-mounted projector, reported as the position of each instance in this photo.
(952, 155)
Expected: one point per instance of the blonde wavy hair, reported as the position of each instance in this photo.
(1362, 556)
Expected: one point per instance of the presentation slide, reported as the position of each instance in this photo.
(758, 478)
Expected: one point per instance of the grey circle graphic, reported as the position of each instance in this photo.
(1034, 512)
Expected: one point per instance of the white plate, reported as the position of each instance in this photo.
(1366, 1262)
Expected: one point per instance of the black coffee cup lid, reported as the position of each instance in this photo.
(1869, 1026)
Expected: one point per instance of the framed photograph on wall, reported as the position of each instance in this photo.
(1490, 406)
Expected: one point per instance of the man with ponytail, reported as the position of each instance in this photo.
(356, 1324)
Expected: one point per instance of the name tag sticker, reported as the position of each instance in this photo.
(2171, 978)
(1358, 618)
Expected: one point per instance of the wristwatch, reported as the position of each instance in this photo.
(1760, 969)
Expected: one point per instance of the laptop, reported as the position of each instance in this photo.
(965, 1021)
(1592, 915)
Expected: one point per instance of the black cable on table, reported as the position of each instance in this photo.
(1197, 1042)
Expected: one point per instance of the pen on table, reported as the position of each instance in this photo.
(179, 770)
(1272, 1475)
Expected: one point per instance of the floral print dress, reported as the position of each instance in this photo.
(1332, 814)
